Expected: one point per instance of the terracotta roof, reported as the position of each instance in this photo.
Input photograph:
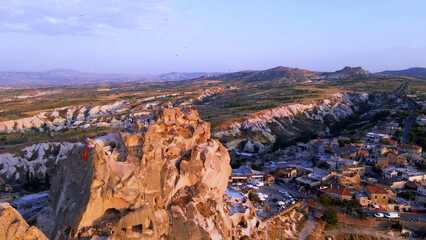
(411, 146)
(338, 189)
(363, 152)
(377, 189)
(345, 148)
(412, 184)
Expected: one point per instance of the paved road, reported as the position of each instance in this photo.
(409, 122)
(403, 216)
(273, 192)
(404, 85)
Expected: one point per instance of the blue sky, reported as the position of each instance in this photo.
(156, 36)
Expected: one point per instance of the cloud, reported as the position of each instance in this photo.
(81, 17)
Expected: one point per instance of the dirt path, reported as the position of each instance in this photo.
(308, 227)
(360, 231)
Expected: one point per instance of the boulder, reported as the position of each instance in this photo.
(13, 226)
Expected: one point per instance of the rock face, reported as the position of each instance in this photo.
(13, 226)
(163, 181)
(37, 160)
(258, 132)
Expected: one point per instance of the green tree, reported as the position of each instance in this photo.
(330, 217)
(377, 170)
(254, 198)
(325, 200)
(397, 226)
(257, 167)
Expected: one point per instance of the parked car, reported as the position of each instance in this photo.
(379, 215)
(392, 215)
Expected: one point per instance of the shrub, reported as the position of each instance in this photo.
(254, 198)
(325, 200)
(330, 217)
(397, 226)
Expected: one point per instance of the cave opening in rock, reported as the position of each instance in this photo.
(137, 228)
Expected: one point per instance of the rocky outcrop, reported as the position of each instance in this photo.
(163, 181)
(71, 116)
(13, 226)
(36, 160)
(258, 132)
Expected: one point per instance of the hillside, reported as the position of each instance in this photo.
(290, 75)
(411, 72)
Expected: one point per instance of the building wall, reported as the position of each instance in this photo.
(379, 199)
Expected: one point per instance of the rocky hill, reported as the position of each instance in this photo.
(411, 72)
(161, 181)
(289, 75)
(348, 72)
(258, 132)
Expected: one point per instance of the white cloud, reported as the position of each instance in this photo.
(81, 17)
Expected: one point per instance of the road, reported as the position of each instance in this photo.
(403, 215)
(273, 193)
(409, 122)
(402, 88)
(308, 227)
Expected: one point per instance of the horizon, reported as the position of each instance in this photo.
(159, 36)
(165, 73)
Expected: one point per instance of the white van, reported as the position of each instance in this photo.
(392, 215)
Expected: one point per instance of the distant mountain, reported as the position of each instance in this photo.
(291, 75)
(348, 72)
(183, 76)
(278, 74)
(73, 77)
(411, 72)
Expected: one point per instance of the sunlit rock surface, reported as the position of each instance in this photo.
(13, 226)
(163, 181)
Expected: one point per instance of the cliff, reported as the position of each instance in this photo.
(260, 131)
(163, 181)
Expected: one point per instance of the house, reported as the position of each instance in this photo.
(362, 198)
(337, 192)
(390, 173)
(421, 190)
(393, 159)
(372, 158)
(413, 150)
(286, 175)
(376, 137)
(383, 161)
(378, 195)
(411, 175)
(421, 120)
(246, 174)
(362, 155)
(351, 169)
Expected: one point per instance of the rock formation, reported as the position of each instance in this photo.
(258, 132)
(13, 226)
(163, 181)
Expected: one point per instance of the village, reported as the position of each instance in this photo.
(371, 177)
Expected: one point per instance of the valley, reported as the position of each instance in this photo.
(160, 153)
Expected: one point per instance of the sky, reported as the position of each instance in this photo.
(159, 36)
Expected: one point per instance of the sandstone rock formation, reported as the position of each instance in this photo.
(13, 226)
(163, 181)
(258, 132)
